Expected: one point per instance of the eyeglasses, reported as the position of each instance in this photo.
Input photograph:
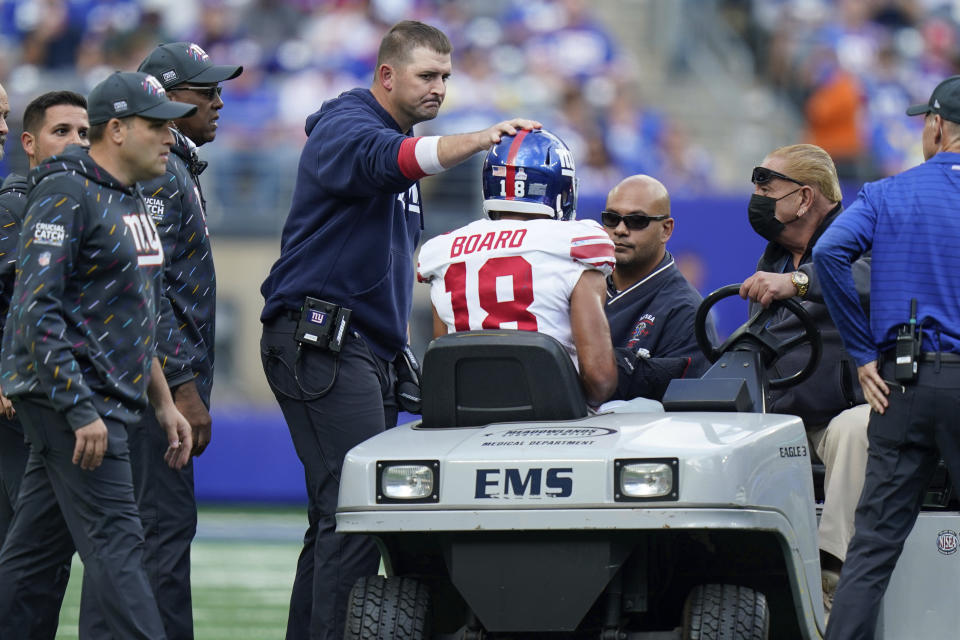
(762, 175)
(633, 221)
(210, 93)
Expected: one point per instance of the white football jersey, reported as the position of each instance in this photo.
(513, 274)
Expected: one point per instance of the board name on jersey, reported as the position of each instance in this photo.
(508, 238)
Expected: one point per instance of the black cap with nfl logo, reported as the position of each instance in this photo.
(132, 93)
(179, 62)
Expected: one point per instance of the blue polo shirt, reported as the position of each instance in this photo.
(911, 221)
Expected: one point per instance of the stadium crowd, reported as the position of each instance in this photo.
(852, 67)
(851, 73)
(550, 58)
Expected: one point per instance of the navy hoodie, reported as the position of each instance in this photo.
(80, 334)
(354, 223)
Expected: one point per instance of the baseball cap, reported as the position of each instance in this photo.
(131, 93)
(945, 101)
(179, 62)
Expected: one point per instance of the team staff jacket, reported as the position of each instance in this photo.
(13, 202)
(513, 274)
(176, 204)
(834, 386)
(654, 317)
(80, 333)
(354, 223)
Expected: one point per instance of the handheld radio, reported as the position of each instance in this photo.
(908, 348)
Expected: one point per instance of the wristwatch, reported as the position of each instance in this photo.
(801, 281)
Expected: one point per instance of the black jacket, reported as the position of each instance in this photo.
(176, 204)
(654, 320)
(13, 202)
(834, 386)
(80, 334)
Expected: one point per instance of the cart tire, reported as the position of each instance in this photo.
(388, 609)
(725, 612)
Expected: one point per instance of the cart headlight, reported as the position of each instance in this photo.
(646, 479)
(408, 481)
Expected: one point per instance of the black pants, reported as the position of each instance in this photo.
(359, 404)
(62, 508)
(904, 444)
(13, 460)
(168, 511)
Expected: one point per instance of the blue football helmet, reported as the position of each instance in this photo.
(531, 172)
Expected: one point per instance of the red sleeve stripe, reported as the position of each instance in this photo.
(592, 251)
(407, 159)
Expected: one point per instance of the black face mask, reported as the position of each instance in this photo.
(763, 215)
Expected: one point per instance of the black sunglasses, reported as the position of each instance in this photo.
(762, 175)
(633, 221)
(207, 92)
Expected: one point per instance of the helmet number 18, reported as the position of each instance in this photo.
(519, 188)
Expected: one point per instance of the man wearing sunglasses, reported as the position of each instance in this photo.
(165, 496)
(650, 305)
(796, 198)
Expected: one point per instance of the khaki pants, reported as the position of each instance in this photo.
(842, 446)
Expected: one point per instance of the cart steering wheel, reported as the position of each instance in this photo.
(753, 335)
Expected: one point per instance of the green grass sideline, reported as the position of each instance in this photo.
(243, 562)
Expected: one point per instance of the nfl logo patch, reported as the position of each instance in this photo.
(44, 259)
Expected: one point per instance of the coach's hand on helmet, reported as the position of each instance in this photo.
(507, 128)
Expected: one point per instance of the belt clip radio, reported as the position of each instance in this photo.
(908, 348)
(322, 324)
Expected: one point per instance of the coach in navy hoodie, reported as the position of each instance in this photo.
(349, 240)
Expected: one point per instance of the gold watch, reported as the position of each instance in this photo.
(801, 281)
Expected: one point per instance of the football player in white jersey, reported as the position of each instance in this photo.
(530, 266)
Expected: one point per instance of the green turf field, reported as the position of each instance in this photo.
(243, 566)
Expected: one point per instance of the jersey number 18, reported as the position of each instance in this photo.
(498, 312)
